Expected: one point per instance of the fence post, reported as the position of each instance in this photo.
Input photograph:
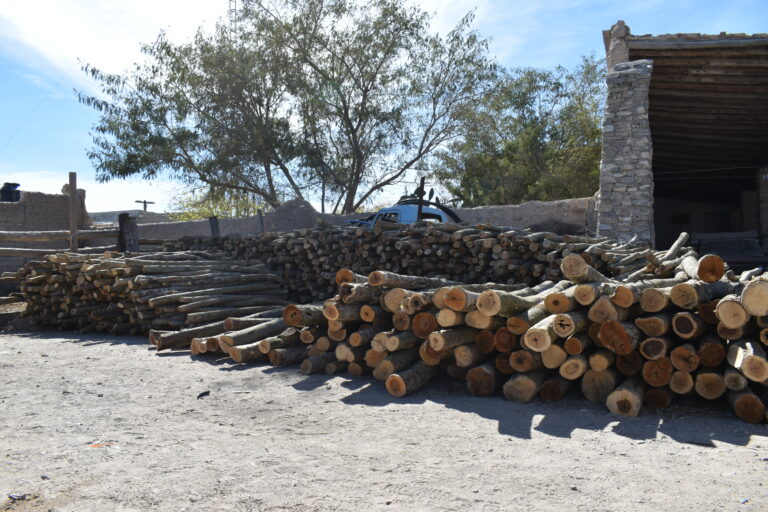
(261, 220)
(214, 222)
(128, 238)
(74, 211)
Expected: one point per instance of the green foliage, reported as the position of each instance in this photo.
(536, 136)
(333, 98)
(196, 205)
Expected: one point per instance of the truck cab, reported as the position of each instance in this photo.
(407, 211)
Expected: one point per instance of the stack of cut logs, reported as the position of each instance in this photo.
(131, 295)
(308, 258)
(685, 325)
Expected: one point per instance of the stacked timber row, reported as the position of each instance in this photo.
(308, 258)
(131, 295)
(631, 343)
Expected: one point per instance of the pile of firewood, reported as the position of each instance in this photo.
(512, 312)
(636, 341)
(131, 295)
(308, 258)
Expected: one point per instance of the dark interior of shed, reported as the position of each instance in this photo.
(708, 114)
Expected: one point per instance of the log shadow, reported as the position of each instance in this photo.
(514, 419)
(574, 413)
(176, 352)
(234, 366)
(374, 394)
(353, 383)
(312, 382)
(268, 370)
(702, 422)
(215, 359)
(640, 428)
(87, 340)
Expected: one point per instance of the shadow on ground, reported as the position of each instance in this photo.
(691, 421)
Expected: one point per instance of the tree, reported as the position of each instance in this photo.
(335, 99)
(535, 136)
(196, 204)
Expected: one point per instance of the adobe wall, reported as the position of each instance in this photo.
(292, 215)
(36, 211)
(576, 212)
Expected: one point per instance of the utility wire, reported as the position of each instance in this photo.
(21, 125)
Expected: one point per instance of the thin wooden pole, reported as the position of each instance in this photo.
(214, 222)
(128, 240)
(74, 211)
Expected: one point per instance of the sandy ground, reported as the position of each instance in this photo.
(94, 423)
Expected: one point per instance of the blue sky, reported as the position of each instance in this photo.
(44, 131)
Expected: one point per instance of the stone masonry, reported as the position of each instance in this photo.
(625, 201)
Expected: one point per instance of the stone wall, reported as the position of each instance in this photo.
(625, 201)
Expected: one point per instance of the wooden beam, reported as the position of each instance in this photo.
(50, 236)
(758, 139)
(642, 44)
(128, 240)
(74, 211)
(709, 87)
(36, 253)
(661, 53)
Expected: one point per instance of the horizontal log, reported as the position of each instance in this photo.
(52, 236)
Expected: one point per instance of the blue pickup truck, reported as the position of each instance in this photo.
(406, 212)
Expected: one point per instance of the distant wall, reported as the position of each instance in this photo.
(570, 211)
(292, 215)
(298, 214)
(36, 211)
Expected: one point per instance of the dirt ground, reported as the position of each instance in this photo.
(98, 423)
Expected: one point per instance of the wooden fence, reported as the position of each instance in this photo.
(126, 239)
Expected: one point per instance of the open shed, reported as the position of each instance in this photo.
(686, 146)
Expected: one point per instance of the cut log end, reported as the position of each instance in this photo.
(747, 406)
(654, 300)
(684, 295)
(573, 265)
(395, 385)
(456, 299)
(489, 303)
(292, 315)
(376, 278)
(482, 380)
(538, 340)
(754, 297)
(557, 302)
(627, 399)
(623, 297)
(711, 268)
